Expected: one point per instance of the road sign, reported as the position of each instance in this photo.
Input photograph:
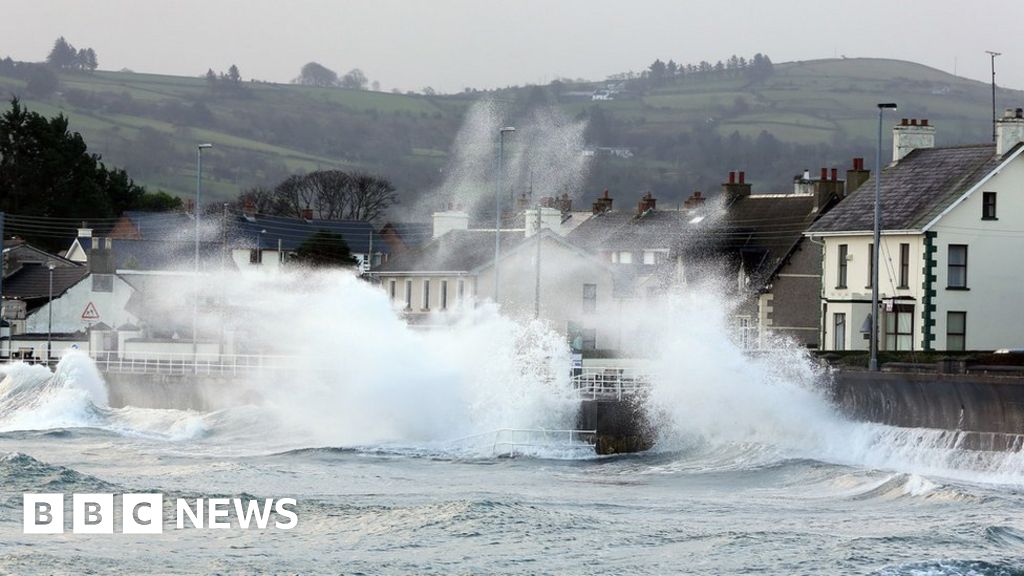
(90, 312)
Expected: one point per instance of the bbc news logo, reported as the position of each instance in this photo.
(144, 513)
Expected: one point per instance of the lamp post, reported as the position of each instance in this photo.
(259, 247)
(873, 365)
(195, 299)
(49, 321)
(993, 55)
(497, 203)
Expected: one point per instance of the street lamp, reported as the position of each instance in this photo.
(993, 55)
(873, 365)
(259, 247)
(497, 203)
(49, 322)
(195, 299)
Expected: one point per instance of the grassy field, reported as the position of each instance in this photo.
(150, 123)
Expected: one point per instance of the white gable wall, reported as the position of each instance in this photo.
(993, 302)
(69, 307)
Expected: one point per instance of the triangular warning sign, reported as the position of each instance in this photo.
(90, 312)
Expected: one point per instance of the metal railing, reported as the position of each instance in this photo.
(187, 363)
(600, 383)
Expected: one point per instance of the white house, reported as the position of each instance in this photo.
(457, 267)
(952, 236)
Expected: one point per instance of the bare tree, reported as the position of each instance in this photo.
(369, 196)
(329, 194)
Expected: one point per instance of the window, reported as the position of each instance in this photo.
(839, 331)
(957, 267)
(590, 298)
(988, 206)
(444, 294)
(904, 266)
(899, 327)
(102, 283)
(746, 331)
(841, 282)
(625, 257)
(461, 290)
(426, 294)
(871, 265)
(255, 256)
(956, 331)
(648, 257)
(391, 289)
(408, 294)
(581, 338)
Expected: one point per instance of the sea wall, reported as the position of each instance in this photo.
(178, 391)
(989, 407)
(620, 425)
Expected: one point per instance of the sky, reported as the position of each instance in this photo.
(452, 44)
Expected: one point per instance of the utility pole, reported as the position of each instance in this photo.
(993, 55)
(536, 286)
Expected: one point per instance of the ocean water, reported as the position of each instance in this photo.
(694, 505)
(386, 438)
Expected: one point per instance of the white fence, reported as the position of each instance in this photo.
(201, 363)
(600, 383)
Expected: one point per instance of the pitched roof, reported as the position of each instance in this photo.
(762, 230)
(33, 281)
(913, 191)
(410, 233)
(164, 254)
(456, 251)
(593, 232)
(292, 232)
(653, 229)
(161, 225)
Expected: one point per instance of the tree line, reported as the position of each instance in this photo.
(316, 74)
(64, 57)
(660, 73)
(324, 194)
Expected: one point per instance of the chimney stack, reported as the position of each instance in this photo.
(856, 176)
(307, 214)
(248, 208)
(733, 189)
(909, 136)
(449, 220)
(602, 204)
(1009, 130)
(694, 202)
(826, 189)
(647, 202)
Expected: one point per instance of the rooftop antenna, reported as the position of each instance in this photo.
(993, 55)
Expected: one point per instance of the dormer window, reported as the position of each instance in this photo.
(988, 206)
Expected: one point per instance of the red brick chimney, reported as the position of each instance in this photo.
(827, 189)
(733, 189)
(248, 208)
(647, 202)
(602, 204)
(307, 214)
(695, 201)
(856, 176)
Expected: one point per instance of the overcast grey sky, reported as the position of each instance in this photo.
(451, 44)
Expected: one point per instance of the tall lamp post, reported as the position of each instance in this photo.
(873, 366)
(993, 55)
(49, 321)
(195, 299)
(497, 203)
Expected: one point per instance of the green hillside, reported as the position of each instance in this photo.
(685, 134)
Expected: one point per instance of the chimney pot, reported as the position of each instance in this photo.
(732, 177)
(904, 122)
(924, 122)
(1020, 112)
(824, 174)
(743, 177)
(913, 121)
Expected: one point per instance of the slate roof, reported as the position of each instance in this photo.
(165, 254)
(914, 191)
(456, 251)
(592, 233)
(161, 225)
(762, 230)
(292, 232)
(654, 229)
(32, 281)
(411, 233)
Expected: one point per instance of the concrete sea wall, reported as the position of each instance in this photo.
(988, 408)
